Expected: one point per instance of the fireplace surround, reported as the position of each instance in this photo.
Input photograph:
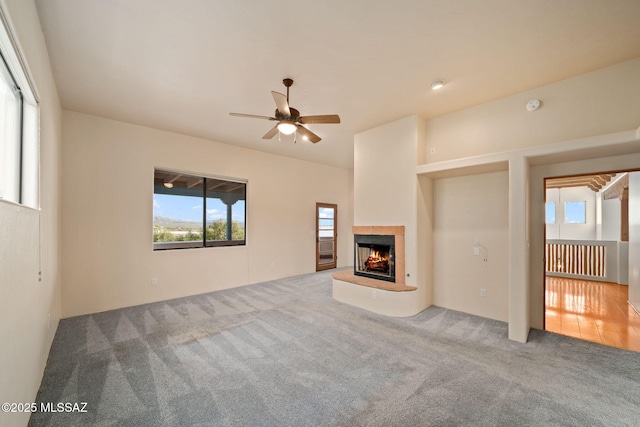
(374, 256)
(396, 232)
(370, 293)
(385, 296)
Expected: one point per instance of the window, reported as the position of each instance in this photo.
(10, 134)
(575, 212)
(19, 139)
(550, 213)
(195, 211)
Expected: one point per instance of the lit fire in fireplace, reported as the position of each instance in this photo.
(374, 256)
(376, 262)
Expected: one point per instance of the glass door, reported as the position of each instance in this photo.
(326, 235)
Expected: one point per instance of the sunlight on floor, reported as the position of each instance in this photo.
(592, 311)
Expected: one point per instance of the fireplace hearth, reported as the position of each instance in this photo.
(374, 256)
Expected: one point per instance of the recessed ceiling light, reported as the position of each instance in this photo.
(437, 85)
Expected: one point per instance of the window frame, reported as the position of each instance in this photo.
(25, 184)
(205, 194)
(11, 137)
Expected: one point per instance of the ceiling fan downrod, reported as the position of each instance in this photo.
(288, 83)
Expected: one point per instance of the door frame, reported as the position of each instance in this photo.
(624, 217)
(327, 266)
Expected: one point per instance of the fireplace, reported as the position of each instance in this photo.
(374, 256)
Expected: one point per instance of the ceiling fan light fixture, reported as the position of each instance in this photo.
(438, 84)
(287, 128)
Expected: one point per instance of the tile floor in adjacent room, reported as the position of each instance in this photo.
(592, 311)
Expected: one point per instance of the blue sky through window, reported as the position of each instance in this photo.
(326, 222)
(550, 213)
(575, 212)
(325, 212)
(190, 208)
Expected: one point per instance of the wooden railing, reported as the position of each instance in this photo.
(586, 259)
(600, 260)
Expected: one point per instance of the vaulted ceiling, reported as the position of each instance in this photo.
(184, 65)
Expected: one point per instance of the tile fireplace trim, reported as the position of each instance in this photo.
(388, 230)
(383, 230)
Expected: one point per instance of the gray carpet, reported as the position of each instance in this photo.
(284, 353)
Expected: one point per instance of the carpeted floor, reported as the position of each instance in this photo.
(284, 353)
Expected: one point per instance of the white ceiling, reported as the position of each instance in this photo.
(183, 65)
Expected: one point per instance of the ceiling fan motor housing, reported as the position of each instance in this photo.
(294, 114)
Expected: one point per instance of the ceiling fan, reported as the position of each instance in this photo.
(289, 119)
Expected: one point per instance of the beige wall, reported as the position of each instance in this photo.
(30, 309)
(108, 261)
(596, 103)
(467, 208)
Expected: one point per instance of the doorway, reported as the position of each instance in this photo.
(326, 236)
(586, 252)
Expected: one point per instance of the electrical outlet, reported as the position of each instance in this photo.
(374, 295)
(483, 293)
(154, 282)
(476, 251)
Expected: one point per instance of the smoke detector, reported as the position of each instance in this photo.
(533, 105)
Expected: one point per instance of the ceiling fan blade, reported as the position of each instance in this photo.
(308, 134)
(281, 103)
(327, 118)
(252, 116)
(272, 132)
